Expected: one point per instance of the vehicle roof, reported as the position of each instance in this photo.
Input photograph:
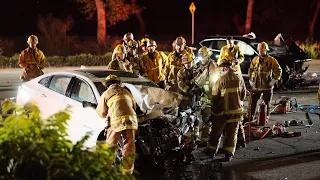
(98, 75)
(246, 39)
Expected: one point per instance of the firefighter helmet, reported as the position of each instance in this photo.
(186, 58)
(152, 43)
(180, 41)
(128, 36)
(205, 51)
(133, 44)
(120, 49)
(33, 39)
(144, 41)
(111, 79)
(225, 63)
(263, 46)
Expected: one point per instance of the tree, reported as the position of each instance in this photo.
(140, 19)
(313, 21)
(111, 11)
(54, 32)
(249, 16)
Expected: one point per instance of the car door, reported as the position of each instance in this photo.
(82, 119)
(52, 94)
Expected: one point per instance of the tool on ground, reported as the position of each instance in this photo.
(310, 109)
(285, 104)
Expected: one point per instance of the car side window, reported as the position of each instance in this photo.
(81, 91)
(245, 48)
(45, 81)
(207, 43)
(220, 44)
(59, 83)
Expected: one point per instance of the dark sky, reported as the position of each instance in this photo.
(169, 18)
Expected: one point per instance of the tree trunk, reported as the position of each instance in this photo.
(140, 20)
(313, 22)
(101, 20)
(249, 16)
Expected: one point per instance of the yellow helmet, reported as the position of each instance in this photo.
(111, 77)
(33, 39)
(144, 41)
(152, 43)
(120, 49)
(263, 46)
(133, 44)
(205, 51)
(186, 58)
(180, 41)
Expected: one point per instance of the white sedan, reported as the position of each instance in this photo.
(55, 91)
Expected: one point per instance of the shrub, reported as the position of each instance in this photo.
(34, 148)
(312, 48)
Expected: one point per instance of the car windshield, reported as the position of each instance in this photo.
(101, 88)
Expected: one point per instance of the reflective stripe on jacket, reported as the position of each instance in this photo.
(228, 94)
(262, 71)
(118, 105)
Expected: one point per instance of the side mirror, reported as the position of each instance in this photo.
(86, 104)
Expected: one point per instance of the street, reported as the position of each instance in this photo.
(268, 158)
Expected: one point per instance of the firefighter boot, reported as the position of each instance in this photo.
(228, 156)
(210, 152)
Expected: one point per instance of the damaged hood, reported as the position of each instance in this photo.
(152, 100)
(284, 46)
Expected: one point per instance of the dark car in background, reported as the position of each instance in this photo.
(288, 54)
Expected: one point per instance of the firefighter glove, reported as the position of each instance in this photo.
(272, 82)
(251, 83)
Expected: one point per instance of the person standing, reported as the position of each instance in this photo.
(32, 60)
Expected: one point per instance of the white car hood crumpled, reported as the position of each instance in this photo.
(152, 100)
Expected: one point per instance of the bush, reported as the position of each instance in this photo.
(34, 148)
(312, 48)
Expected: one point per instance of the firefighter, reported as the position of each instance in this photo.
(119, 62)
(153, 61)
(126, 38)
(174, 64)
(32, 60)
(118, 106)
(232, 53)
(144, 45)
(227, 101)
(187, 87)
(207, 74)
(264, 72)
(134, 59)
